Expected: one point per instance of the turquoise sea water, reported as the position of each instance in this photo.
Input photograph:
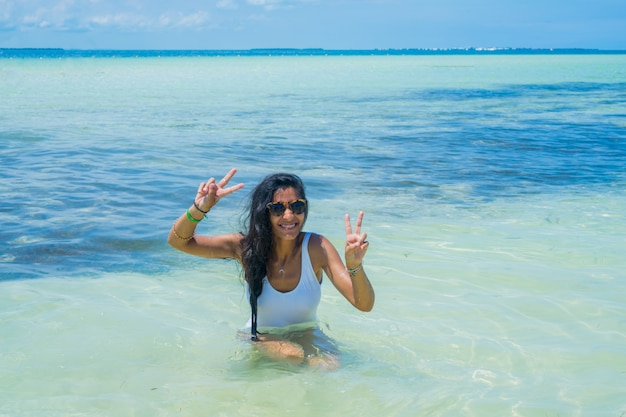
(494, 193)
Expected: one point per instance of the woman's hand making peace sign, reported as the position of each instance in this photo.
(210, 192)
(356, 243)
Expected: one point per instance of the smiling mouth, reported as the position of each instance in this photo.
(289, 226)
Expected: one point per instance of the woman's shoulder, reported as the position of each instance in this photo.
(321, 252)
(318, 245)
(315, 239)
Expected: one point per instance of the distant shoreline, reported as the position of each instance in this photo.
(60, 52)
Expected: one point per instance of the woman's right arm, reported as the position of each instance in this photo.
(182, 234)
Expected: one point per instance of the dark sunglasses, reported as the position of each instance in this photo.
(278, 209)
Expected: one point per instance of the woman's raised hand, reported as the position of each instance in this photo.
(356, 243)
(210, 192)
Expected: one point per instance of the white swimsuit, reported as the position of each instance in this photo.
(279, 309)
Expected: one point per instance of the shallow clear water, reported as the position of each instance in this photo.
(493, 188)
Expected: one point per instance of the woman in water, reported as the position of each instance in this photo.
(282, 264)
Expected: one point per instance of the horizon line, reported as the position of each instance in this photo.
(57, 53)
(472, 48)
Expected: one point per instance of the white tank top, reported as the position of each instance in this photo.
(279, 309)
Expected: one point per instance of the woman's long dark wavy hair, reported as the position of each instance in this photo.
(258, 243)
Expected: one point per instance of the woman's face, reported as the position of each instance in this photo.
(288, 225)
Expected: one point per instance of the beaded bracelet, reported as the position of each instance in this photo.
(186, 239)
(353, 271)
(191, 219)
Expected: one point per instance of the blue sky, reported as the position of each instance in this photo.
(329, 24)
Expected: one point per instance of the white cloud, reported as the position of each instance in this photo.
(266, 4)
(131, 15)
(227, 4)
(42, 18)
(279, 4)
(170, 20)
(80, 15)
(193, 20)
(6, 9)
(121, 20)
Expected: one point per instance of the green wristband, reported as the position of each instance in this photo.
(191, 219)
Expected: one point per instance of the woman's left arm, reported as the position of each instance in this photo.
(350, 279)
